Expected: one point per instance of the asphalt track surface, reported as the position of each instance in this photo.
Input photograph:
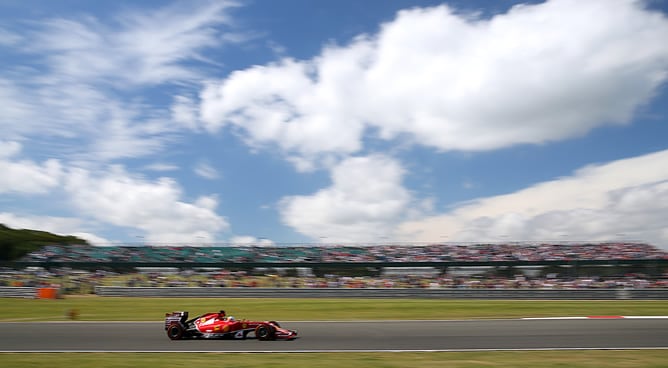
(346, 336)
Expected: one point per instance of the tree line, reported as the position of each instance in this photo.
(14, 243)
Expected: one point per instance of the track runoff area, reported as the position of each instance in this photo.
(527, 334)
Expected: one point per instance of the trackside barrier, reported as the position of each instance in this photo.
(213, 292)
(18, 292)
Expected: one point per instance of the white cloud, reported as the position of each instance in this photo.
(139, 47)
(128, 134)
(92, 239)
(627, 197)
(26, 176)
(87, 78)
(48, 107)
(111, 198)
(16, 108)
(251, 240)
(79, 119)
(184, 112)
(364, 202)
(454, 82)
(206, 171)
(161, 167)
(280, 104)
(522, 77)
(9, 149)
(154, 207)
(8, 38)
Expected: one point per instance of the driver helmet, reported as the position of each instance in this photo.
(230, 318)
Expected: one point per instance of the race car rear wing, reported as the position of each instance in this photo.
(178, 317)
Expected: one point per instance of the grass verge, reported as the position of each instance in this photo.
(535, 359)
(91, 308)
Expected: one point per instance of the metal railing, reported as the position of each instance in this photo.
(18, 292)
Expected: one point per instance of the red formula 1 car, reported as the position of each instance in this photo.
(218, 325)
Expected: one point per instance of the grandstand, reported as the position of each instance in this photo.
(349, 253)
(439, 256)
(544, 265)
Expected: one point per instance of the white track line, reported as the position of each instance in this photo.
(374, 321)
(596, 317)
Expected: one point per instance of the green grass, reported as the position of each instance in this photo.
(537, 359)
(91, 308)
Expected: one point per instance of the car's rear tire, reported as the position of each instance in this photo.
(175, 331)
(264, 332)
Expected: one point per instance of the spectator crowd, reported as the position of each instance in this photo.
(528, 252)
(544, 277)
(84, 282)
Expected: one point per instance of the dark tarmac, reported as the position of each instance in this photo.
(346, 336)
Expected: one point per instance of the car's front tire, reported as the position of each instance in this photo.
(264, 332)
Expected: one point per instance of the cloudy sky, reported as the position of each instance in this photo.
(335, 120)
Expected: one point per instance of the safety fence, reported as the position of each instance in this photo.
(30, 292)
(207, 292)
(18, 292)
(545, 294)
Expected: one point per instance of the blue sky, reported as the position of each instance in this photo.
(335, 121)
